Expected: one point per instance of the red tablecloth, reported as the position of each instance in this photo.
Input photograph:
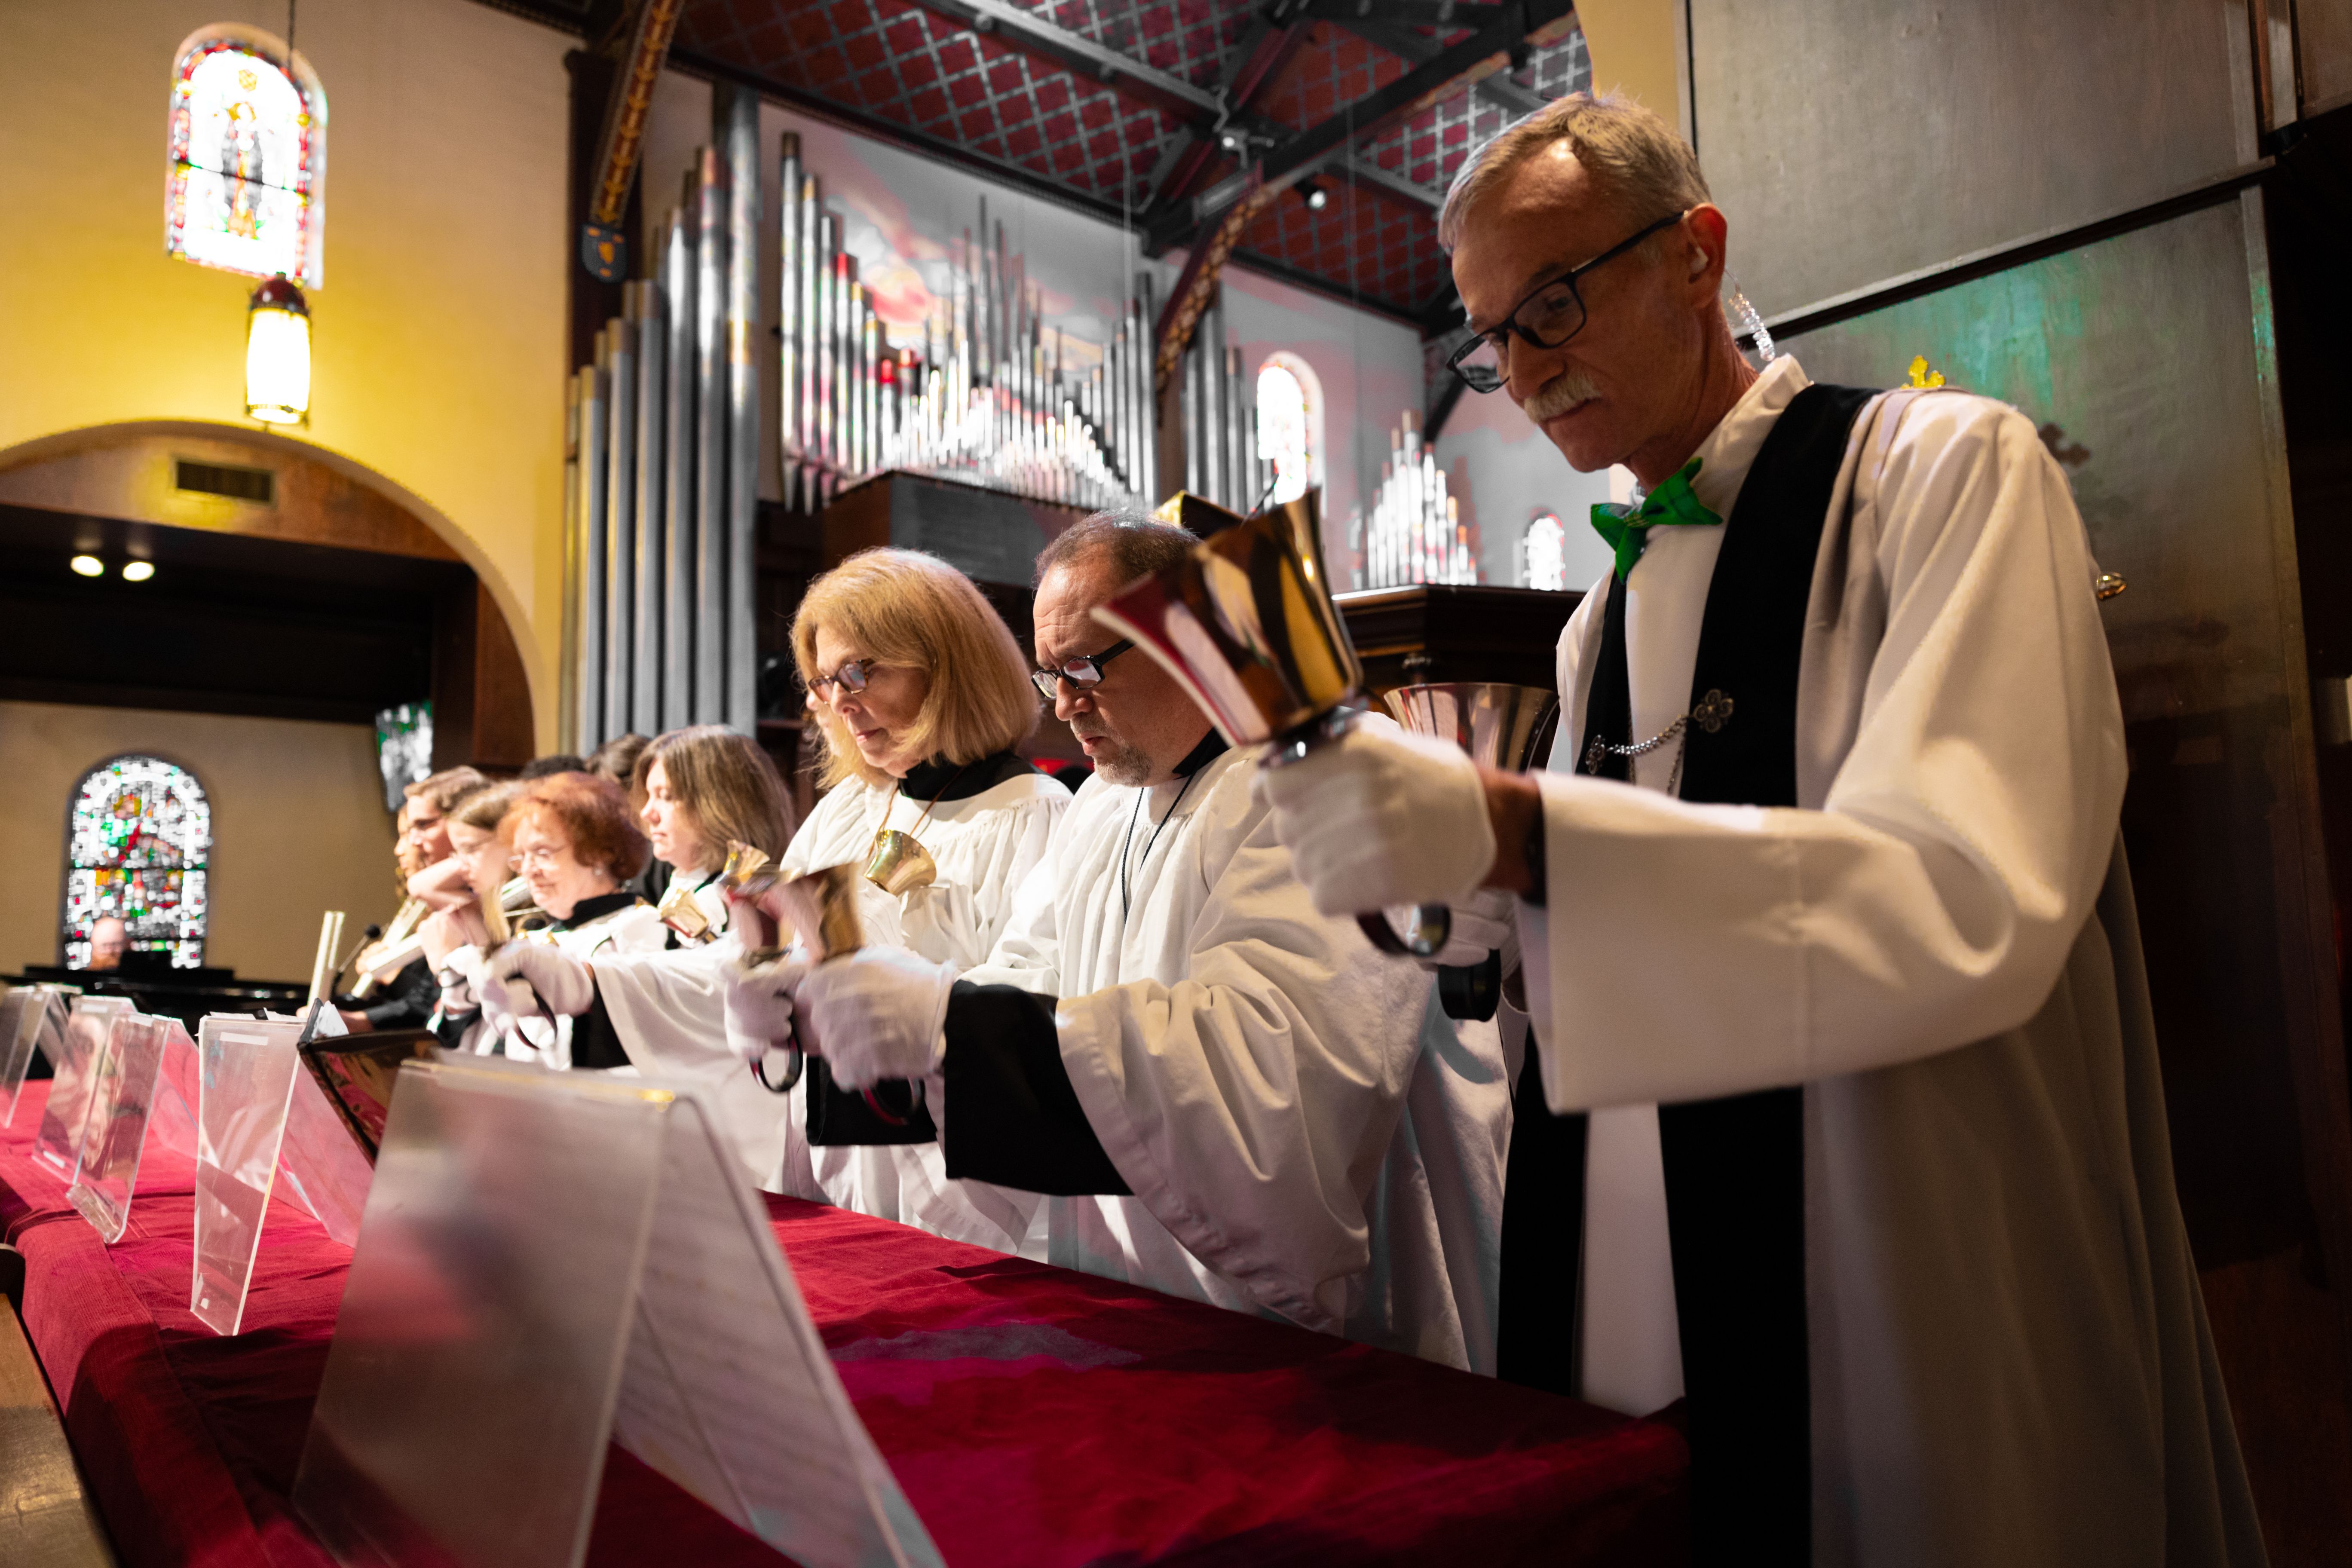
(1034, 1416)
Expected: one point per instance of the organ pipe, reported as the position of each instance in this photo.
(1414, 533)
(981, 391)
(664, 440)
(737, 630)
(1219, 403)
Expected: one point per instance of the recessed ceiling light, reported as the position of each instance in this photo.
(89, 565)
(137, 571)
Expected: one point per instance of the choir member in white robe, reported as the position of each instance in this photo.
(1926, 950)
(662, 1012)
(1215, 1086)
(576, 844)
(919, 744)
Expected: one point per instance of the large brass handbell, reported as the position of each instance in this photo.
(899, 864)
(1500, 726)
(1246, 625)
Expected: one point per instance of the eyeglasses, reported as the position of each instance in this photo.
(850, 677)
(1549, 316)
(538, 858)
(1085, 672)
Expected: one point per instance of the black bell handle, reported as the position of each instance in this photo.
(1430, 925)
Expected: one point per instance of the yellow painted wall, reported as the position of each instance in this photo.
(299, 826)
(439, 332)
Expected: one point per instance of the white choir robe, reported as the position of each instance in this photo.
(1305, 1134)
(984, 845)
(670, 1011)
(631, 930)
(2009, 1354)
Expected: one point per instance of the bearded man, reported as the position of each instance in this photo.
(1224, 1095)
(1829, 945)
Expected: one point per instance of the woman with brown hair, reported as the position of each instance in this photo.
(698, 790)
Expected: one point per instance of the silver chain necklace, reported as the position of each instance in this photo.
(1713, 712)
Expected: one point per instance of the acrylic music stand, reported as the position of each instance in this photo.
(122, 1088)
(550, 1262)
(31, 1018)
(57, 1145)
(247, 1072)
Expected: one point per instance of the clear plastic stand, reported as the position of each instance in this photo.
(122, 1088)
(247, 1071)
(548, 1261)
(28, 1015)
(57, 1145)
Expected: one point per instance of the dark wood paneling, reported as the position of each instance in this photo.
(1427, 633)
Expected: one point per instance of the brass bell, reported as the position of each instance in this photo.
(899, 863)
(680, 913)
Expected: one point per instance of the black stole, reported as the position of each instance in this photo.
(1734, 1167)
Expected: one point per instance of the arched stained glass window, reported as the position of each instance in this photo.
(139, 840)
(247, 184)
(1543, 559)
(1290, 425)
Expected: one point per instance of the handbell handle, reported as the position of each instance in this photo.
(1432, 925)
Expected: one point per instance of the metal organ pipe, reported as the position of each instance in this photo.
(646, 671)
(1414, 533)
(620, 361)
(710, 445)
(680, 448)
(738, 625)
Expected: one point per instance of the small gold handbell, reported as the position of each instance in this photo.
(899, 863)
(680, 913)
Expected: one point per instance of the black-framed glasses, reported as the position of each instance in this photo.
(850, 677)
(1552, 313)
(1085, 672)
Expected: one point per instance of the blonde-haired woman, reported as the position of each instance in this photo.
(920, 694)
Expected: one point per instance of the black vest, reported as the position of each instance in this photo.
(1735, 1167)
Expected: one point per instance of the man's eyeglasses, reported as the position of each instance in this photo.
(850, 677)
(1549, 316)
(1083, 672)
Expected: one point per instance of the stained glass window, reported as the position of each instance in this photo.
(142, 837)
(249, 157)
(1543, 562)
(1290, 423)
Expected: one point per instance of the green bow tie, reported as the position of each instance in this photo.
(1627, 528)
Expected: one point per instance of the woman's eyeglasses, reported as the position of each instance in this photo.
(538, 858)
(850, 677)
(1083, 672)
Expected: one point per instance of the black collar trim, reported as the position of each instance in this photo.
(940, 779)
(1212, 747)
(597, 907)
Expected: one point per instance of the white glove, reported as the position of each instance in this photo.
(566, 984)
(1483, 923)
(1380, 817)
(759, 998)
(876, 1014)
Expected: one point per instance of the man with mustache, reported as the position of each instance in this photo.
(1226, 1095)
(1829, 944)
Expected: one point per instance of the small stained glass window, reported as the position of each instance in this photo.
(246, 186)
(1543, 559)
(1290, 423)
(141, 839)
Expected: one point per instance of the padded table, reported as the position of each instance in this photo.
(1034, 1416)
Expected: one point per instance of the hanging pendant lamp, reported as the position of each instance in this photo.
(277, 354)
